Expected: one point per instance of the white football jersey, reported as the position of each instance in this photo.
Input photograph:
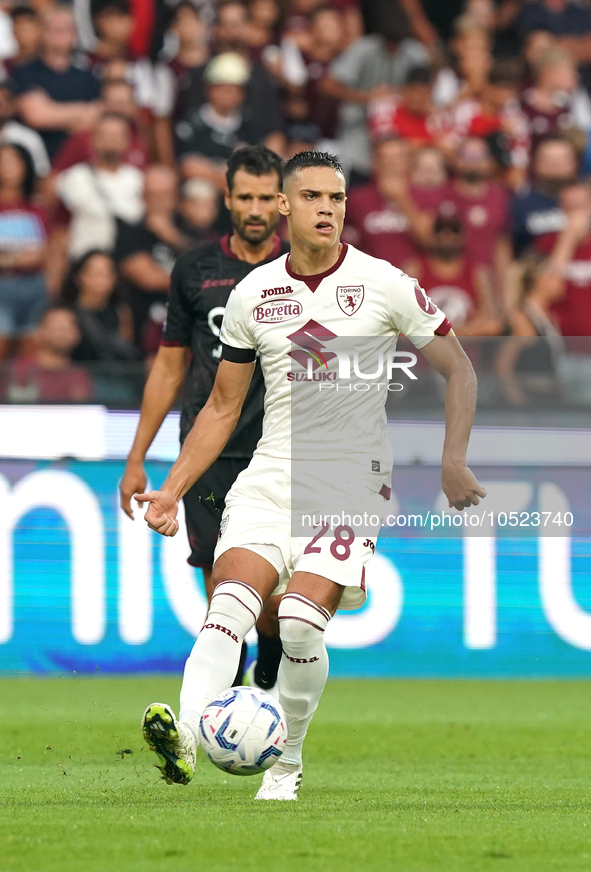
(327, 350)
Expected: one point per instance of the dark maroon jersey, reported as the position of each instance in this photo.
(573, 311)
(200, 285)
(483, 218)
(377, 227)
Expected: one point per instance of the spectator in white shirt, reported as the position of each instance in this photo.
(104, 189)
(15, 133)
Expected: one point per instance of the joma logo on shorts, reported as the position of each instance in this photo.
(222, 629)
(274, 292)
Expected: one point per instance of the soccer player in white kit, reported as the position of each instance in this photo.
(291, 311)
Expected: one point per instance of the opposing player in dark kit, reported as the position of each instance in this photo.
(201, 283)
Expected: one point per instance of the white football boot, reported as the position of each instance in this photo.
(280, 785)
(173, 742)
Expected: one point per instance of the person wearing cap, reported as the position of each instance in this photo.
(209, 134)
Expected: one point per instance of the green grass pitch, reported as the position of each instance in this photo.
(411, 776)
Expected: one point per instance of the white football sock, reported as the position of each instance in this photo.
(303, 670)
(212, 664)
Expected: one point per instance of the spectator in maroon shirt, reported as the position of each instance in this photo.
(495, 112)
(556, 101)
(309, 103)
(482, 207)
(113, 24)
(564, 287)
(382, 219)
(429, 180)
(264, 26)
(174, 75)
(48, 375)
(455, 281)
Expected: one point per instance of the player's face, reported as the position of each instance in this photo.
(314, 202)
(252, 204)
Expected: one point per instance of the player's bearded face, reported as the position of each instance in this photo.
(314, 201)
(253, 206)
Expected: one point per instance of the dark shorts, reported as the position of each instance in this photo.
(23, 299)
(204, 506)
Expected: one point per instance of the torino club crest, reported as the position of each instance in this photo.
(350, 299)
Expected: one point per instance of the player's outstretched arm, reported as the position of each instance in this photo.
(162, 387)
(212, 428)
(447, 356)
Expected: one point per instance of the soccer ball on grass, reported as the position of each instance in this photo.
(243, 731)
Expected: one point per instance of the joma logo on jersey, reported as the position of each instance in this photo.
(274, 292)
(277, 310)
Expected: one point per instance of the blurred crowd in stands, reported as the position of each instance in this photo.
(463, 127)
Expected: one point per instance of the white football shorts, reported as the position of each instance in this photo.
(258, 517)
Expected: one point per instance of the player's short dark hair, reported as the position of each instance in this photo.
(304, 159)
(255, 160)
(422, 75)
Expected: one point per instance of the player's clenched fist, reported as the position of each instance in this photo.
(461, 487)
(162, 511)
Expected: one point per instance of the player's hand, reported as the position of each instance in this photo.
(162, 512)
(461, 487)
(133, 482)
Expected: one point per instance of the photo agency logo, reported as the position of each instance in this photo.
(346, 363)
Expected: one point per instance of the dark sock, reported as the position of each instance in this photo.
(268, 660)
(240, 674)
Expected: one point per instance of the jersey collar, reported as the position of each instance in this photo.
(314, 281)
(225, 246)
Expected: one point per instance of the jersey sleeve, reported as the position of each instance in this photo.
(412, 312)
(238, 342)
(177, 328)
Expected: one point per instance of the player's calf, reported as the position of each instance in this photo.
(212, 664)
(304, 668)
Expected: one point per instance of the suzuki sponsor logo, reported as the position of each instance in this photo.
(277, 310)
(275, 292)
(315, 359)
